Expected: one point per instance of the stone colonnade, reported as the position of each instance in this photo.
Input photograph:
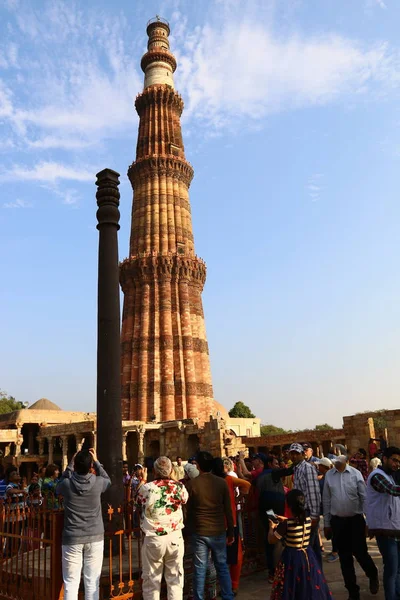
(64, 443)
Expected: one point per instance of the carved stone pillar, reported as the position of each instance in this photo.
(182, 441)
(19, 440)
(162, 442)
(94, 433)
(140, 434)
(64, 444)
(124, 436)
(50, 443)
(41, 446)
(78, 441)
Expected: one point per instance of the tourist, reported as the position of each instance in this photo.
(126, 478)
(35, 498)
(15, 493)
(343, 501)
(382, 444)
(359, 461)
(297, 575)
(331, 454)
(324, 465)
(42, 473)
(258, 464)
(49, 486)
(6, 479)
(14, 515)
(372, 448)
(138, 477)
(162, 522)
(229, 467)
(34, 481)
(374, 463)
(235, 551)
(271, 497)
(383, 518)
(309, 454)
(211, 518)
(83, 533)
(210, 588)
(306, 480)
(191, 471)
(178, 469)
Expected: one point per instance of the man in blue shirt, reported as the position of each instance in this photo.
(343, 502)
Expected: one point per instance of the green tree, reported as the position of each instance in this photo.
(8, 403)
(241, 411)
(323, 426)
(272, 430)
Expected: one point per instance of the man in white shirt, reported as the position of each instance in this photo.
(162, 523)
(343, 503)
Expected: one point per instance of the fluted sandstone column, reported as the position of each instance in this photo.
(165, 366)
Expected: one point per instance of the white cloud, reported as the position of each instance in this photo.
(12, 54)
(18, 203)
(6, 106)
(79, 84)
(66, 143)
(314, 187)
(48, 172)
(234, 71)
(227, 79)
(370, 4)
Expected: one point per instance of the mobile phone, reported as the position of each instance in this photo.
(272, 516)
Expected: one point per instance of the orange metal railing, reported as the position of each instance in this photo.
(30, 550)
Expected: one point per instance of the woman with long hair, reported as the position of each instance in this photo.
(298, 575)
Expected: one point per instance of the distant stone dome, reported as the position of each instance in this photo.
(44, 404)
(218, 408)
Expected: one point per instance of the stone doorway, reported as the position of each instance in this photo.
(132, 448)
(193, 444)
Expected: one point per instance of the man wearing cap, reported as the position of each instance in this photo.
(306, 480)
(343, 501)
(258, 462)
(309, 454)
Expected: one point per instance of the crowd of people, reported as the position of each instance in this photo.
(190, 516)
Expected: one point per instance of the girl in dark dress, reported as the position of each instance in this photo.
(298, 575)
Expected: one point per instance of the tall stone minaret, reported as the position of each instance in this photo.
(165, 362)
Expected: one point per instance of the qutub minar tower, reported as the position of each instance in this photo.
(165, 362)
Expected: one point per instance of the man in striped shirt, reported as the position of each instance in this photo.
(306, 480)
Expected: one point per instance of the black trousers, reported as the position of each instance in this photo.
(349, 533)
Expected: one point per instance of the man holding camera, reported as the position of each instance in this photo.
(83, 534)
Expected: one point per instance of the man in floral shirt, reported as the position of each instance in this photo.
(162, 522)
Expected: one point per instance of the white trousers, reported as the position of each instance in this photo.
(162, 554)
(92, 557)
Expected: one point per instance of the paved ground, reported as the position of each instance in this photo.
(256, 587)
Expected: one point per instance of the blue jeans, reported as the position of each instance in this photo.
(201, 547)
(390, 550)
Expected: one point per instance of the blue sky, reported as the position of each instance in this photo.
(292, 125)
